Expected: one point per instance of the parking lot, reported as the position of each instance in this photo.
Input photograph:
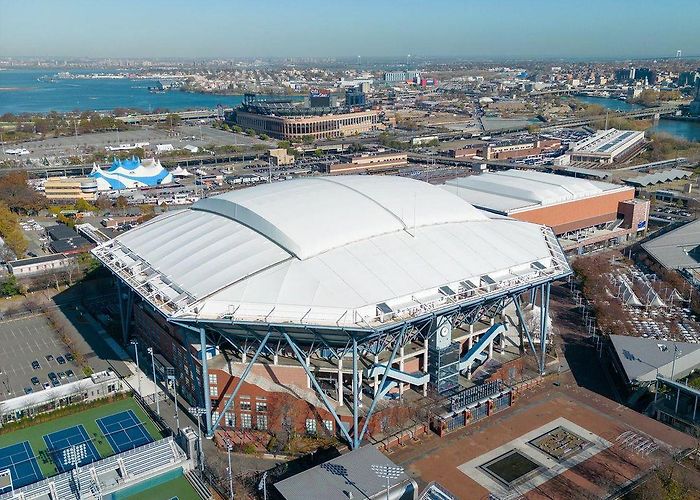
(27, 340)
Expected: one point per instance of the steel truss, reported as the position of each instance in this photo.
(301, 342)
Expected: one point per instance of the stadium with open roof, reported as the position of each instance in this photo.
(322, 267)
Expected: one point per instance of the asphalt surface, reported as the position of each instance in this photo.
(24, 341)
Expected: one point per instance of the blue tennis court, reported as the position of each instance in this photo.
(57, 442)
(124, 431)
(20, 460)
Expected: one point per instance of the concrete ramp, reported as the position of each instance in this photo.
(476, 352)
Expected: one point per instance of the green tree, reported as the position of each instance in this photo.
(9, 287)
(250, 132)
(307, 139)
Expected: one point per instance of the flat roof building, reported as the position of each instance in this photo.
(350, 476)
(678, 249)
(369, 162)
(70, 188)
(608, 146)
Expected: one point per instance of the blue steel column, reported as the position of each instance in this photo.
(355, 395)
(312, 378)
(243, 376)
(125, 308)
(205, 379)
(390, 361)
(544, 310)
(523, 325)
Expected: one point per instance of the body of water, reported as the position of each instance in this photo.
(687, 130)
(22, 92)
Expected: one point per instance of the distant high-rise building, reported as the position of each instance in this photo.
(395, 76)
(694, 108)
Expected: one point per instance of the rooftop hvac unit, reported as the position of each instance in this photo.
(384, 312)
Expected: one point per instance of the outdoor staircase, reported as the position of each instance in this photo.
(199, 485)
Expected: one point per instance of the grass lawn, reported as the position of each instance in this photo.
(178, 487)
(87, 418)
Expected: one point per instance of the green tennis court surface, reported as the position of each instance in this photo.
(47, 459)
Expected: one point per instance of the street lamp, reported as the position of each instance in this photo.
(155, 381)
(135, 343)
(198, 412)
(229, 449)
(387, 472)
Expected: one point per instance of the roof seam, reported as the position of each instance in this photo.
(326, 179)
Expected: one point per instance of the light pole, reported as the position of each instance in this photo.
(229, 449)
(155, 381)
(387, 472)
(673, 365)
(198, 412)
(73, 456)
(135, 343)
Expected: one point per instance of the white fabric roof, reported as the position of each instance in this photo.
(321, 248)
(513, 190)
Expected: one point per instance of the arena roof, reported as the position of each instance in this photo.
(513, 191)
(343, 251)
(677, 249)
(609, 142)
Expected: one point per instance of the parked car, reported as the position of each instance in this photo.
(52, 376)
(61, 375)
(49, 357)
(28, 390)
(35, 365)
(35, 380)
(47, 385)
(55, 382)
(69, 357)
(70, 374)
(60, 360)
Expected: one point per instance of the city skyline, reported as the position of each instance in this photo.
(544, 29)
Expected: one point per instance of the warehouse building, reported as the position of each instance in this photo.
(581, 212)
(369, 162)
(608, 146)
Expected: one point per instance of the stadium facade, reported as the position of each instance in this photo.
(333, 290)
(295, 120)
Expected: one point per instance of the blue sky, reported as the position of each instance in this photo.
(314, 28)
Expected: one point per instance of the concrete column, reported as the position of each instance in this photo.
(275, 358)
(470, 339)
(243, 356)
(491, 349)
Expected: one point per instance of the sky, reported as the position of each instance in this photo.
(485, 29)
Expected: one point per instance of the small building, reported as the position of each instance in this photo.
(678, 250)
(369, 162)
(98, 386)
(357, 474)
(70, 189)
(39, 265)
(280, 156)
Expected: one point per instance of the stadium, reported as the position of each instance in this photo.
(358, 283)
